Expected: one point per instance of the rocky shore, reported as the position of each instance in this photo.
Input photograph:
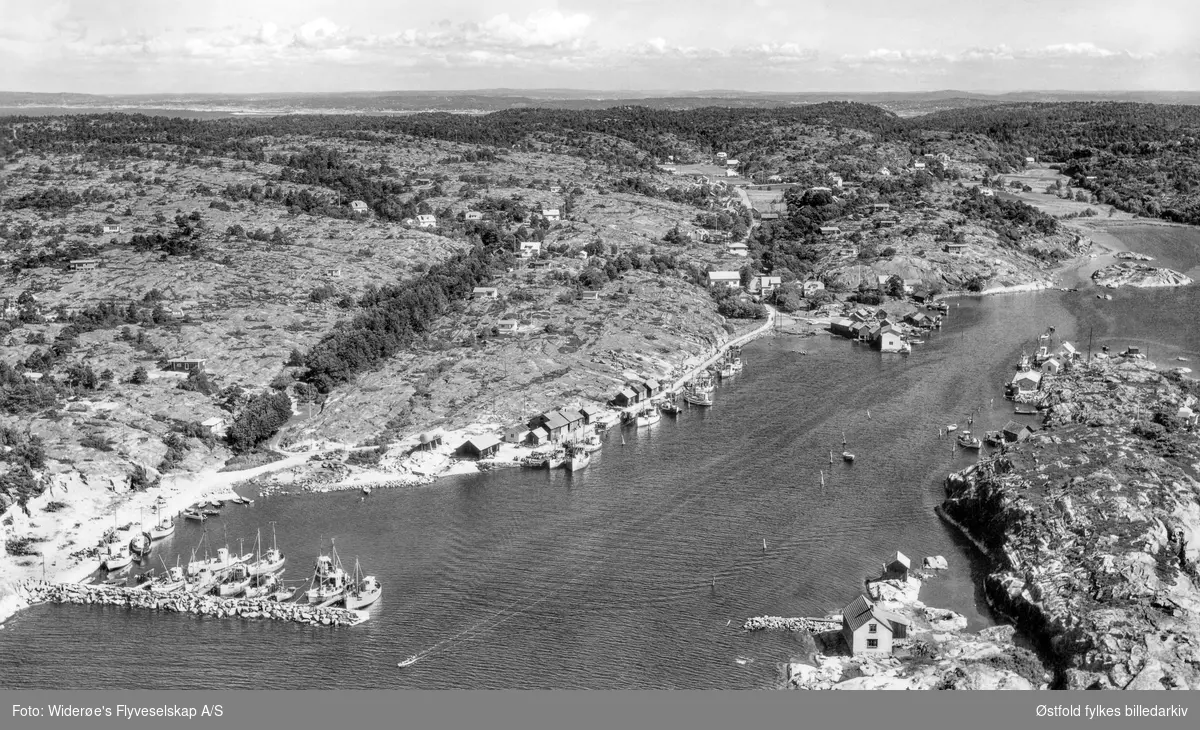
(1138, 275)
(1093, 527)
(33, 592)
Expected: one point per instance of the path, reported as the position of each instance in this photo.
(771, 314)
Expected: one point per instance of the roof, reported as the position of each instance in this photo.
(481, 289)
(1015, 428)
(540, 432)
(549, 211)
(590, 411)
(1068, 348)
(1028, 375)
(902, 559)
(187, 359)
(507, 323)
(857, 613)
(214, 421)
(482, 443)
(724, 276)
(627, 392)
(554, 420)
(571, 414)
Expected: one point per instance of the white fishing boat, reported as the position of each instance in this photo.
(272, 561)
(952, 428)
(648, 417)
(364, 591)
(234, 581)
(578, 459)
(847, 456)
(555, 459)
(261, 586)
(191, 514)
(329, 580)
(173, 580)
(592, 443)
(140, 544)
(726, 370)
(737, 365)
(164, 527)
(408, 662)
(698, 398)
(967, 441)
(222, 561)
(117, 556)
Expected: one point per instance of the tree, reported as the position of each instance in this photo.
(139, 376)
(894, 287)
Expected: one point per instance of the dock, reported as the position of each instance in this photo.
(809, 624)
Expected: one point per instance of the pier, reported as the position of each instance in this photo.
(803, 623)
(36, 591)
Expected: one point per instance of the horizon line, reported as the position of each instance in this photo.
(580, 90)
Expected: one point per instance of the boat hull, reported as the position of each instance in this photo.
(577, 463)
(161, 531)
(116, 562)
(267, 568)
(359, 601)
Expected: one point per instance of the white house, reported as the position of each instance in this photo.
(112, 229)
(426, 221)
(530, 248)
(507, 326)
(837, 180)
(473, 215)
(774, 179)
(358, 207)
(214, 426)
(731, 279)
(764, 284)
(550, 214)
(485, 292)
(1051, 367)
(555, 189)
(890, 341)
(869, 629)
(918, 165)
(1026, 382)
(812, 286)
(732, 163)
(731, 173)
(1068, 351)
(1030, 161)
(737, 249)
(722, 155)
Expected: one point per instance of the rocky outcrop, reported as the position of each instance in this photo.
(1139, 275)
(1093, 529)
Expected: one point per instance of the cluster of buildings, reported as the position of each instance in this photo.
(883, 331)
(1031, 371)
(564, 424)
(636, 391)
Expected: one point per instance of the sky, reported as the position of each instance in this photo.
(256, 46)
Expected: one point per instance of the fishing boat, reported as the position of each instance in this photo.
(189, 514)
(555, 459)
(163, 528)
(283, 594)
(408, 662)
(223, 560)
(1025, 411)
(726, 370)
(171, 581)
(952, 428)
(272, 562)
(364, 591)
(578, 459)
(592, 443)
(234, 581)
(703, 384)
(116, 557)
(967, 441)
(261, 586)
(536, 460)
(329, 580)
(993, 438)
(648, 417)
(209, 512)
(847, 456)
(916, 341)
(698, 398)
(670, 407)
(737, 364)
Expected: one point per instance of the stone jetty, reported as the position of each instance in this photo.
(779, 623)
(36, 591)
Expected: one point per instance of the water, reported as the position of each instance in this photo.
(603, 579)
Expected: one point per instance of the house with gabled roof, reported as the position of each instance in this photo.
(869, 629)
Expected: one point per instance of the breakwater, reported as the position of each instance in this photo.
(779, 623)
(248, 608)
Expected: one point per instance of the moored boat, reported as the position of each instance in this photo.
(555, 459)
(365, 590)
(726, 370)
(967, 441)
(578, 459)
(648, 417)
(261, 586)
(116, 557)
(234, 581)
(847, 456)
(698, 398)
(329, 580)
(952, 428)
(193, 515)
(272, 561)
(140, 544)
(171, 581)
(592, 443)
(670, 407)
(163, 528)
(223, 560)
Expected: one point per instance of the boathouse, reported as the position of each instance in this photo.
(1016, 432)
(842, 326)
(869, 629)
(1068, 351)
(480, 447)
(186, 364)
(956, 249)
(642, 390)
(590, 414)
(358, 207)
(1051, 367)
(889, 341)
(897, 568)
(573, 418)
(555, 424)
(625, 397)
(538, 437)
(1026, 382)
(516, 434)
(917, 319)
(653, 388)
(485, 292)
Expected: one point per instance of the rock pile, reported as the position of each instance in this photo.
(1139, 275)
(36, 591)
(779, 623)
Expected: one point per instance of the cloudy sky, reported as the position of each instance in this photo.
(152, 46)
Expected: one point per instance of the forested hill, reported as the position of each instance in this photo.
(1143, 158)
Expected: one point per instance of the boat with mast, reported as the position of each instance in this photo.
(578, 458)
(967, 441)
(670, 407)
(698, 397)
(273, 561)
(234, 581)
(555, 458)
(365, 590)
(329, 579)
(169, 582)
(648, 416)
(116, 555)
(164, 527)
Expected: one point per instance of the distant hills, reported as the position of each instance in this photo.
(489, 100)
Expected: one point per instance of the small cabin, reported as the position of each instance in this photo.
(551, 215)
(625, 397)
(112, 229)
(538, 436)
(84, 264)
(507, 326)
(738, 249)
(829, 230)
(869, 629)
(889, 340)
(1016, 432)
(590, 414)
(426, 221)
(480, 447)
(186, 364)
(516, 434)
(731, 279)
(214, 427)
(1051, 367)
(590, 296)
(1026, 382)
(485, 292)
(473, 215)
(956, 249)
(897, 568)
(359, 207)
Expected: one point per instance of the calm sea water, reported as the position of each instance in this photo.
(603, 579)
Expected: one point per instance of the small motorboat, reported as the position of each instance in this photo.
(189, 514)
(408, 662)
(671, 408)
(967, 441)
(210, 512)
(847, 456)
(366, 490)
(952, 428)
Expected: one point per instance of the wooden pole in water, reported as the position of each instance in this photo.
(764, 545)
